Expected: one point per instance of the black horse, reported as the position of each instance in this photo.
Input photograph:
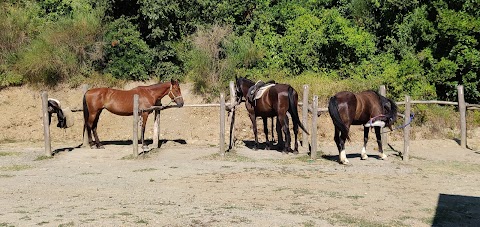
(366, 108)
(276, 101)
(54, 107)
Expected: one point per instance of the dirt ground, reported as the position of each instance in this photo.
(186, 182)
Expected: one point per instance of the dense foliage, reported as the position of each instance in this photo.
(416, 47)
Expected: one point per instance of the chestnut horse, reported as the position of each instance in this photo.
(366, 108)
(120, 102)
(277, 101)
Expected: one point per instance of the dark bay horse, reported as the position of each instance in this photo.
(366, 108)
(120, 102)
(277, 101)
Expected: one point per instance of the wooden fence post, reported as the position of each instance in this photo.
(46, 125)
(305, 115)
(231, 115)
(313, 151)
(156, 129)
(406, 130)
(463, 122)
(135, 125)
(222, 124)
(85, 132)
(383, 91)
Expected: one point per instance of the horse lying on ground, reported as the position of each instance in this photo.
(366, 108)
(276, 101)
(120, 102)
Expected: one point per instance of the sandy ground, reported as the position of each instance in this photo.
(186, 182)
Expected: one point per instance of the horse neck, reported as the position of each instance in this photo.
(246, 84)
(160, 90)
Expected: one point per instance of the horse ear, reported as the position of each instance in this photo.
(173, 81)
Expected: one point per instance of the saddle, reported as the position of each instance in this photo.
(256, 91)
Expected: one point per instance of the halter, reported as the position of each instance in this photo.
(174, 97)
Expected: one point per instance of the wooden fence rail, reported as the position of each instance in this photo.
(230, 107)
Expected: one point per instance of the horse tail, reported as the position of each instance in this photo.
(293, 109)
(335, 115)
(85, 113)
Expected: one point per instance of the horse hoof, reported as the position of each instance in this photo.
(295, 152)
(383, 156)
(345, 162)
(364, 157)
(145, 148)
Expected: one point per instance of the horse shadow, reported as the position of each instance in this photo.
(261, 146)
(334, 157)
(121, 143)
(457, 210)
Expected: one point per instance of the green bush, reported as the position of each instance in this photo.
(127, 55)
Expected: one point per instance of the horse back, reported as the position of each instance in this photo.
(274, 101)
(119, 102)
(368, 106)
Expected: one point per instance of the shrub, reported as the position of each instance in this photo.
(127, 55)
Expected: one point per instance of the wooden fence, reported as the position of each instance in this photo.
(230, 107)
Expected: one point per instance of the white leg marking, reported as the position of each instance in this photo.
(364, 154)
(343, 157)
(383, 156)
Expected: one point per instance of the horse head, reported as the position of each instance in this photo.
(241, 87)
(390, 111)
(175, 93)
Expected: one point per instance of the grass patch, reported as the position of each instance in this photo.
(43, 223)
(4, 224)
(43, 157)
(15, 168)
(451, 167)
(125, 214)
(144, 170)
(6, 175)
(67, 224)
(4, 153)
(356, 221)
(90, 173)
(230, 156)
(129, 157)
(141, 221)
(355, 197)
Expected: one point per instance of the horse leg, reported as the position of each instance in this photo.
(378, 134)
(88, 128)
(284, 121)
(273, 137)
(364, 155)
(265, 130)
(340, 141)
(280, 144)
(295, 131)
(94, 130)
(254, 127)
(144, 122)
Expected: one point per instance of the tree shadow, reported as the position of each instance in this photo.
(457, 210)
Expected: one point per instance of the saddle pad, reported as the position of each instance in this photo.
(262, 90)
(70, 120)
(374, 124)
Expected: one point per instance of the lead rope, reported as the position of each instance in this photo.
(412, 115)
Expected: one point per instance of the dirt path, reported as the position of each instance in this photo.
(186, 183)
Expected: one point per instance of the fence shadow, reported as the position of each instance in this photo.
(457, 210)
